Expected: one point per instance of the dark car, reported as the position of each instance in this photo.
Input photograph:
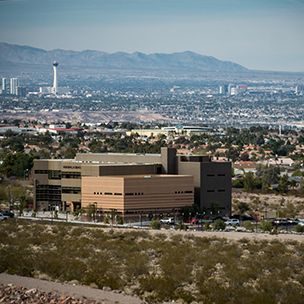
(242, 217)
(8, 213)
(246, 218)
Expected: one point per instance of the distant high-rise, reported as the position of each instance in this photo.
(3, 84)
(299, 89)
(14, 83)
(230, 87)
(21, 91)
(55, 86)
(223, 89)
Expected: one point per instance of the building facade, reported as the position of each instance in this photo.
(71, 183)
(14, 83)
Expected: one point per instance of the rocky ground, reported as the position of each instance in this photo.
(17, 289)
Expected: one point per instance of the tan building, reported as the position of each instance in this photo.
(64, 183)
(133, 194)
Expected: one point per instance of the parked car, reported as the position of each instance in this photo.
(232, 222)
(246, 217)
(301, 223)
(167, 220)
(191, 221)
(3, 217)
(280, 222)
(8, 213)
(293, 221)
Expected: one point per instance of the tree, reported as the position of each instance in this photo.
(266, 226)
(215, 208)
(232, 154)
(269, 174)
(283, 184)
(155, 224)
(90, 210)
(243, 207)
(245, 156)
(297, 173)
(249, 182)
(219, 224)
(9, 133)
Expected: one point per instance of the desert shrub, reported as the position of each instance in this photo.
(120, 221)
(207, 226)
(163, 268)
(180, 225)
(106, 221)
(56, 215)
(76, 231)
(219, 224)
(155, 224)
(266, 226)
(299, 228)
(34, 213)
(247, 225)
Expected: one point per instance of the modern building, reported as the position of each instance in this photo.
(14, 83)
(230, 86)
(132, 183)
(55, 85)
(3, 85)
(223, 89)
(21, 91)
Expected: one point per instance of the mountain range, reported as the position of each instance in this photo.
(11, 54)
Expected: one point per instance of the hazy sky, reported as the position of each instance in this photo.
(258, 34)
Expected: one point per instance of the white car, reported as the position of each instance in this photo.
(301, 223)
(167, 220)
(3, 217)
(232, 222)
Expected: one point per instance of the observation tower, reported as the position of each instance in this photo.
(55, 86)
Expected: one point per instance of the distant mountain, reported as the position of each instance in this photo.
(11, 54)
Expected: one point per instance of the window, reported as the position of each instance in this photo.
(54, 174)
(117, 193)
(41, 171)
(188, 191)
(210, 175)
(129, 194)
(210, 190)
(48, 193)
(108, 193)
(221, 190)
(71, 190)
(73, 175)
(222, 174)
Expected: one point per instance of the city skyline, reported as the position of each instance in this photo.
(258, 35)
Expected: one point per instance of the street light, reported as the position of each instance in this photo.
(95, 211)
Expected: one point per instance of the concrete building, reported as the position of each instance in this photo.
(132, 194)
(173, 131)
(132, 183)
(14, 83)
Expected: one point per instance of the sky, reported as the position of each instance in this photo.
(258, 34)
